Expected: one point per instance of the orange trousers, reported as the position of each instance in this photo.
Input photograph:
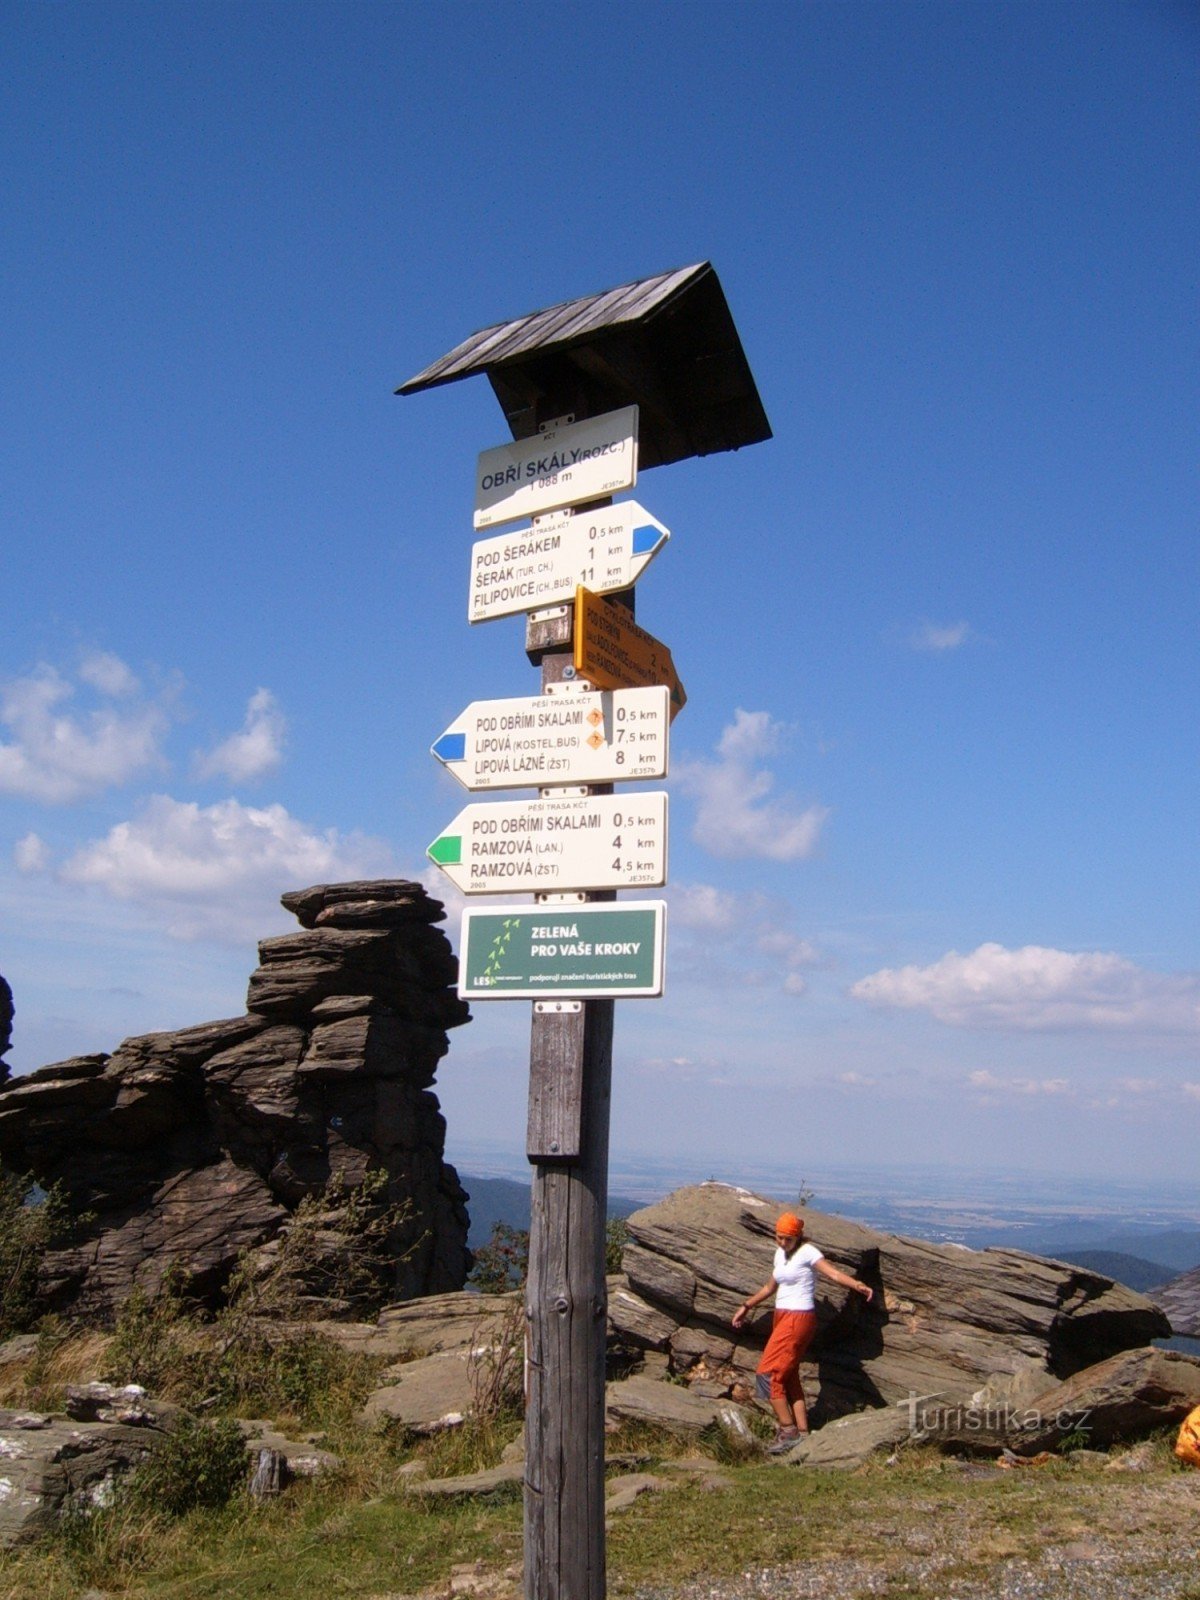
(778, 1372)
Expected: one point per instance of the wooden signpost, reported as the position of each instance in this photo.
(653, 369)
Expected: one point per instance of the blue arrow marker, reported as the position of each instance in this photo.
(646, 538)
(451, 747)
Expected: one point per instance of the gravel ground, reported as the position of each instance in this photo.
(1139, 1543)
(1055, 1575)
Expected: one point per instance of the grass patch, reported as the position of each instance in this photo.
(323, 1541)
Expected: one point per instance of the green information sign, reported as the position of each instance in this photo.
(533, 952)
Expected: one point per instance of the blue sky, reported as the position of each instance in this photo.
(933, 833)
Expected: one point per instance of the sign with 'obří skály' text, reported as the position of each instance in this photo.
(563, 466)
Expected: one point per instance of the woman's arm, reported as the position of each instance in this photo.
(844, 1278)
(756, 1299)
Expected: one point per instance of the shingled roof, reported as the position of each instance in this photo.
(667, 344)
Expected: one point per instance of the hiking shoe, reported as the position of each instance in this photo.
(785, 1439)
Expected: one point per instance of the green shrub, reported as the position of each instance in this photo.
(200, 1464)
(616, 1237)
(146, 1345)
(503, 1262)
(32, 1221)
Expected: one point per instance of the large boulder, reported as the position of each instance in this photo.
(1123, 1398)
(1180, 1299)
(50, 1465)
(190, 1147)
(943, 1320)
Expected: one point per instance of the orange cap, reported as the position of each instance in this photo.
(790, 1223)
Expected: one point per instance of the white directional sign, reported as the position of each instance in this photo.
(543, 565)
(574, 736)
(603, 841)
(560, 467)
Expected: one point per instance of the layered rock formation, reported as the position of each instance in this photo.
(1180, 1299)
(6, 1020)
(943, 1320)
(189, 1147)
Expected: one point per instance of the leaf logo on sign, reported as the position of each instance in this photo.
(499, 948)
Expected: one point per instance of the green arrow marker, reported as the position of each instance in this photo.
(446, 851)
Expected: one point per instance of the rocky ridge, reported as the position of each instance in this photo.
(190, 1146)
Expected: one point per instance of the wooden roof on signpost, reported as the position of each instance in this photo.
(666, 344)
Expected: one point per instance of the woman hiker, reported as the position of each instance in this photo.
(792, 1284)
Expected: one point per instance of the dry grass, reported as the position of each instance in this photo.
(359, 1533)
(62, 1358)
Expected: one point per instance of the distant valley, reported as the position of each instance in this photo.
(1140, 1235)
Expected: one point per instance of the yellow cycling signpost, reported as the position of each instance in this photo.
(595, 390)
(612, 652)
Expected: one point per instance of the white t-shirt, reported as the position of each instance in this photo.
(795, 1278)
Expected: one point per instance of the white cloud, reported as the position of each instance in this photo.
(254, 751)
(729, 940)
(58, 757)
(31, 854)
(1192, 1090)
(792, 950)
(750, 736)
(734, 816)
(1035, 988)
(109, 674)
(936, 637)
(994, 1086)
(703, 907)
(218, 871)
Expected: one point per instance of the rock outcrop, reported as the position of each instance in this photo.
(189, 1147)
(1180, 1299)
(50, 1465)
(944, 1319)
(6, 1022)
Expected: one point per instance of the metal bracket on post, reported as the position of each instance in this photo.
(551, 629)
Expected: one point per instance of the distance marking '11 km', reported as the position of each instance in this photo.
(574, 736)
(556, 843)
(560, 467)
(529, 568)
(532, 952)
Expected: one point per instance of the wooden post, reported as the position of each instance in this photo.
(567, 1314)
(566, 1308)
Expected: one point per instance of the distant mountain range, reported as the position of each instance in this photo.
(1167, 1250)
(1135, 1272)
(1142, 1257)
(496, 1200)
